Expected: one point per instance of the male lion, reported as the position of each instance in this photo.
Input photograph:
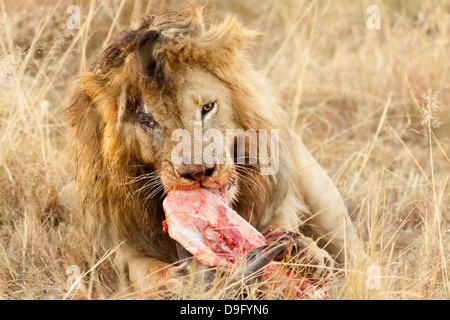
(170, 71)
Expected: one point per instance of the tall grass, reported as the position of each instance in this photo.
(371, 104)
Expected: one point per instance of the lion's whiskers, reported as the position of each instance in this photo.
(152, 184)
(246, 176)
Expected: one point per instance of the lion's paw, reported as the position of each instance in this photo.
(302, 253)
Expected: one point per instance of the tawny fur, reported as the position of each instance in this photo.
(116, 160)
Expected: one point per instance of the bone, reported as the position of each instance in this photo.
(202, 271)
(256, 264)
(183, 254)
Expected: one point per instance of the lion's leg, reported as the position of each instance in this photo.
(143, 272)
(147, 273)
(330, 222)
(302, 250)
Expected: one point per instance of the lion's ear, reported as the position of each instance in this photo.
(114, 55)
(229, 35)
(141, 42)
(151, 64)
(218, 44)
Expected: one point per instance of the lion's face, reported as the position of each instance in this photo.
(168, 129)
(139, 109)
(159, 96)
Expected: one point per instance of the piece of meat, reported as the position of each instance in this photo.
(208, 228)
(202, 222)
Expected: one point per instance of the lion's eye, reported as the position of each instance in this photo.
(207, 108)
(146, 120)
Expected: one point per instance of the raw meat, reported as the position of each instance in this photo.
(208, 228)
(202, 222)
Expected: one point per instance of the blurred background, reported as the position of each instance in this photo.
(367, 84)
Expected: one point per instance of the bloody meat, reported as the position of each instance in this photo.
(208, 228)
(202, 222)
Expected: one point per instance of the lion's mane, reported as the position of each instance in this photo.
(107, 165)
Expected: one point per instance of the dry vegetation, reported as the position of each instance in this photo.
(372, 105)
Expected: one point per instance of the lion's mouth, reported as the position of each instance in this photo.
(223, 191)
(219, 180)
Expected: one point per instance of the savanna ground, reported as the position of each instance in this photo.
(371, 104)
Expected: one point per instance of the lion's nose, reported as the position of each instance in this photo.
(197, 172)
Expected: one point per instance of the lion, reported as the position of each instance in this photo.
(169, 71)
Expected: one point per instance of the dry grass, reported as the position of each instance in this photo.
(372, 105)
